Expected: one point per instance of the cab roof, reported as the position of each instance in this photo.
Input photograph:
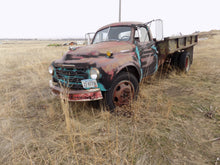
(120, 24)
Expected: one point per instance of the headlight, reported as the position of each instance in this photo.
(94, 73)
(50, 69)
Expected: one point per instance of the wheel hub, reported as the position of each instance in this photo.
(123, 93)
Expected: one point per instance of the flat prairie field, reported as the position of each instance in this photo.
(175, 120)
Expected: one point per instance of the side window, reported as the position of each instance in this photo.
(141, 34)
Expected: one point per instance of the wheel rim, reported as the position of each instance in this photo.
(123, 93)
(187, 64)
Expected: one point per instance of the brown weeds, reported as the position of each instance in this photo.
(164, 126)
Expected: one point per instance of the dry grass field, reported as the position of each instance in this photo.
(176, 119)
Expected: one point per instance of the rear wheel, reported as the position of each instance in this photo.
(123, 90)
(184, 62)
(175, 60)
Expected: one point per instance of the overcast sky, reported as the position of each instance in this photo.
(73, 18)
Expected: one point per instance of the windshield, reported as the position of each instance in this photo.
(119, 33)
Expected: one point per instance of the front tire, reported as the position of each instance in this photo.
(123, 90)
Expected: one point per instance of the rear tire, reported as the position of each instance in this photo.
(124, 89)
(185, 62)
(175, 60)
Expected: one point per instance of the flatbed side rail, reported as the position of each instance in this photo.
(173, 44)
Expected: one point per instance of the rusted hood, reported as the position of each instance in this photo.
(102, 48)
(95, 55)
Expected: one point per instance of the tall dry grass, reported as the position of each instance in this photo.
(173, 121)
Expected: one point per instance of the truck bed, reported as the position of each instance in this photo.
(173, 44)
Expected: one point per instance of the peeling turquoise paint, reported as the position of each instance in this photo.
(156, 56)
(101, 86)
(139, 60)
(68, 77)
(68, 83)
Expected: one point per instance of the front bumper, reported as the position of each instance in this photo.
(76, 95)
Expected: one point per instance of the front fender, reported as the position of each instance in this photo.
(132, 68)
(111, 69)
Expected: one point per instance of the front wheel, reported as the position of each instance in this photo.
(124, 88)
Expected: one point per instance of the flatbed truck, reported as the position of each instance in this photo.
(119, 57)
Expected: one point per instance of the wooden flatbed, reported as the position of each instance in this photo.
(171, 45)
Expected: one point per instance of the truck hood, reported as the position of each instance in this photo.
(95, 55)
(100, 49)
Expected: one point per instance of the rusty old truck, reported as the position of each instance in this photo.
(119, 57)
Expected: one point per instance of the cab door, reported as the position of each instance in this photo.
(145, 48)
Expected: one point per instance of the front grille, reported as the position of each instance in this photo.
(70, 77)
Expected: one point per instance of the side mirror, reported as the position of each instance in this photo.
(159, 30)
